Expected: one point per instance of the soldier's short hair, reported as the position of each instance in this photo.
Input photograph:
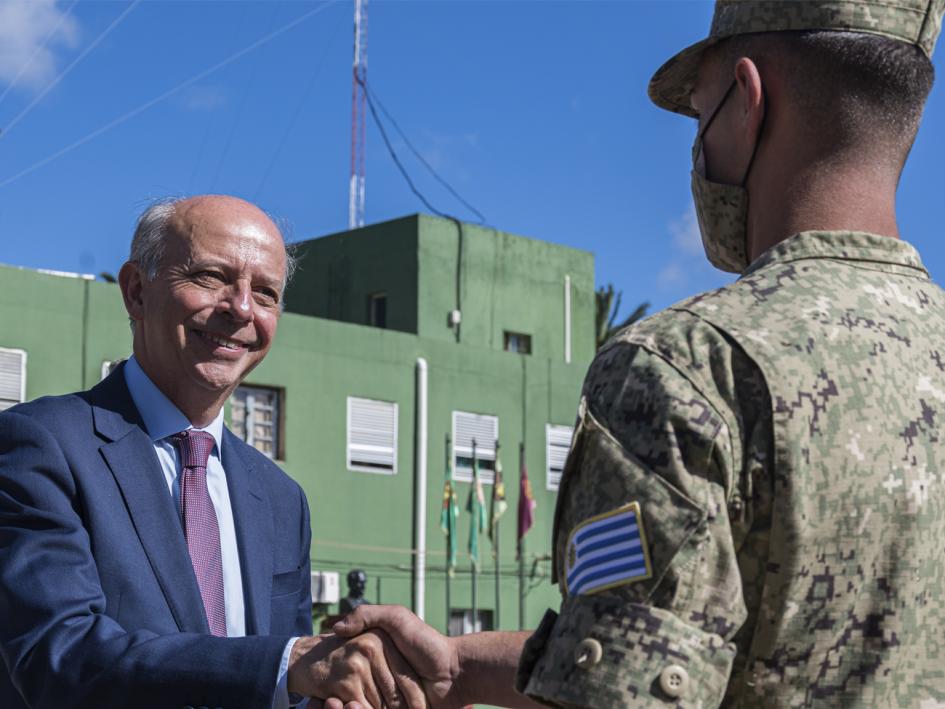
(855, 87)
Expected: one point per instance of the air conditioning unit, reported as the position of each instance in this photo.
(325, 587)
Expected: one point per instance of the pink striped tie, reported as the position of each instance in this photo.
(201, 528)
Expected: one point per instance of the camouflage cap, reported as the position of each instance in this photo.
(917, 22)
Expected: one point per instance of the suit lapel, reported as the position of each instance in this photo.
(130, 455)
(252, 517)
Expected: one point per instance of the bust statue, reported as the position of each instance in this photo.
(357, 581)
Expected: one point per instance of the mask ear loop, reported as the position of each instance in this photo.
(701, 134)
(754, 152)
(761, 130)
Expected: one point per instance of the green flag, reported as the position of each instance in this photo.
(476, 507)
(498, 504)
(449, 517)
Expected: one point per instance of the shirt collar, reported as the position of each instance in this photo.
(843, 246)
(161, 417)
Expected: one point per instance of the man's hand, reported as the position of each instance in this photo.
(367, 670)
(454, 672)
(431, 655)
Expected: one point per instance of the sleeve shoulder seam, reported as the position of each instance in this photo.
(649, 349)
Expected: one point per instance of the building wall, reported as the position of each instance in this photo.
(507, 283)
(341, 360)
(70, 326)
(66, 325)
(500, 282)
(338, 273)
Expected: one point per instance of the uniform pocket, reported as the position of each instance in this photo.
(604, 479)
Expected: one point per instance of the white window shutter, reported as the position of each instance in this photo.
(484, 428)
(372, 436)
(12, 377)
(558, 443)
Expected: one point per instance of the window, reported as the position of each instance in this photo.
(372, 436)
(558, 439)
(377, 310)
(518, 342)
(255, 416)
(485, 430)
(461, 621)
(12, 377)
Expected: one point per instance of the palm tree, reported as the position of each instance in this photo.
(608, 305)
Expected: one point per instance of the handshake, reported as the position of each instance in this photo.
(385, 656)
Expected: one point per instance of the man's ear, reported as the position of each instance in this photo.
(750, 97)
(131, 282)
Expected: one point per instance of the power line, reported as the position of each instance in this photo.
(170, 92)
(298, 112)
(247, 87)
(29, 62)
(397, 161)
(212, 115)
(419, 156)
(65, 72)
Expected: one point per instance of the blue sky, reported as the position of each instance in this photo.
(536, 112)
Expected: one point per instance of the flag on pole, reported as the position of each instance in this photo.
(476, 506)
(526, 503)
(449, 516)
(497, 505)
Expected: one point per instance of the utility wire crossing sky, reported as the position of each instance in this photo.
(533, 114)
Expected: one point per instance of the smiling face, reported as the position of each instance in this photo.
(210, 315)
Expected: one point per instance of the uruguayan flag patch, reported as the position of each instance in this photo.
(606, 551)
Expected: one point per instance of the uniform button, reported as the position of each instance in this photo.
(588, 653)
(674, 680)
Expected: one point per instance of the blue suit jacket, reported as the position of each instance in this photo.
(99, 605)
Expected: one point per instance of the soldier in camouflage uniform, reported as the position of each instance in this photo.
(753, 509)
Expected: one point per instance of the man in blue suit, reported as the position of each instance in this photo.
(148, 557)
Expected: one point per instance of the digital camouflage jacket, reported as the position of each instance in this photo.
(753, 509)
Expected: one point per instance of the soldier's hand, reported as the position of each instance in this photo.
(366, 671)
(432, 655)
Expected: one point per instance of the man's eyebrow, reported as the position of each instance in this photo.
(205, 261)
(272, 282)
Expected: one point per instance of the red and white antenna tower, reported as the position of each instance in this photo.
(358, 117)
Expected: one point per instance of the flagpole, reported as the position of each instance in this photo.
(474, 520)
(496, 549)
(521, 588)
(448, 542)
(521, 553)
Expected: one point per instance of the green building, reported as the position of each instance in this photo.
(401, 343)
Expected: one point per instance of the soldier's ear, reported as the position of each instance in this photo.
(749, 97)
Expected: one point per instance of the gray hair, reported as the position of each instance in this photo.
(147, 244)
